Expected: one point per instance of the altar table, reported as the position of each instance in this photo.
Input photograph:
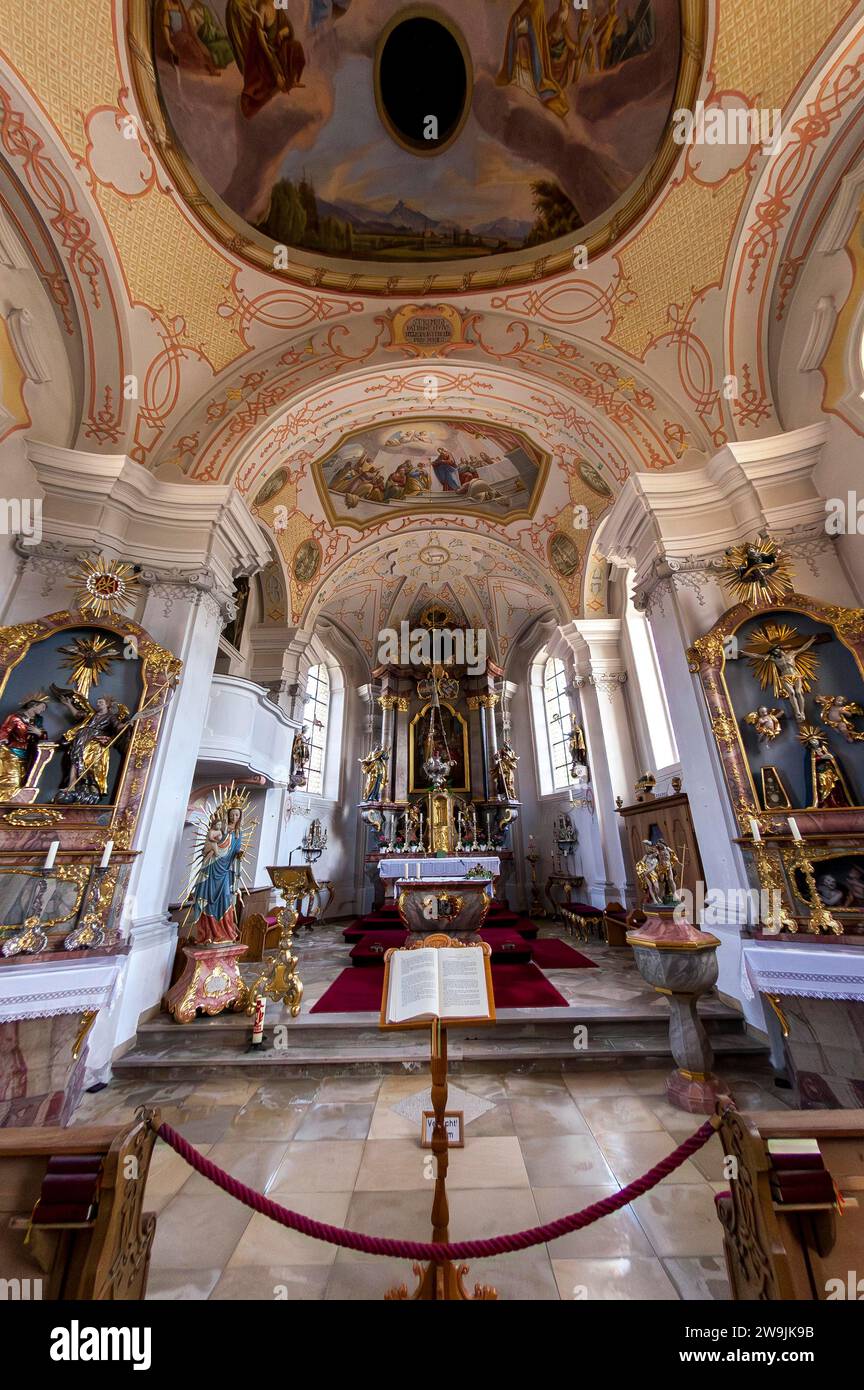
(404, 870)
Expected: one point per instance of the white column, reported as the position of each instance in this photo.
(600, 676)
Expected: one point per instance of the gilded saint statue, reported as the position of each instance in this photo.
(20, 736)
(89, 742)
(301, 754)
(374, 767)
(505, 770)
(578, 752)
(827, 785)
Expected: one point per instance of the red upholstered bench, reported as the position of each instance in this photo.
(370, 949)
(582, 918)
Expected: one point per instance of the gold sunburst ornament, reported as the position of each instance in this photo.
(104, 587)
(757, 570)
(87, 659)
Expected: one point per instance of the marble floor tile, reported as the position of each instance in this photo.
(631, 1279)
(199, 1124)
(631, 1155)
(328, 1165)
(400, 1164)
(542, 1115)
(256, 1122)
(568, 1160)
(198, 1232)
(651, 1081)
(356, 1089)
(526, 1087)
(406, 1215)
(265, 1243)
(253, 1164)
(587, 1085)
(680, 1219)
(618, 1115)
(526, 1277)
(700, 1280)
(616, 1235)
(168, 1172)
(182, 1285)
(366, 1278)
(336, 1121)
(273, 1283)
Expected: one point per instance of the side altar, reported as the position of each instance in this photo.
(782, 676)
(82, 698)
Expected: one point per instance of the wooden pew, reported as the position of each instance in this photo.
(105, 1259)
(779, 1252)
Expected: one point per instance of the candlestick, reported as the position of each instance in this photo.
(754, 831)
(793, 826)
(106, 854)
(52, 854)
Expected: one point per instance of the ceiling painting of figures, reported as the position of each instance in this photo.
(430, 465)
(512, 123)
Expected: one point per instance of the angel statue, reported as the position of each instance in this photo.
(766, 722)
(89, 742)
(780, 659)
(374, 767)
(838, 712)
(216, 884)
(505, 769)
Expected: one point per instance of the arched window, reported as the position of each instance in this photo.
(559, 720)
(658, 725)
(316, 716)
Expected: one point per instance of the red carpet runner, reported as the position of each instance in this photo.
(515, 986)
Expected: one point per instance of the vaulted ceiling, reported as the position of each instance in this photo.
(252, 373)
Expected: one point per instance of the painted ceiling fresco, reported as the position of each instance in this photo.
(430, 465)
(281, 112)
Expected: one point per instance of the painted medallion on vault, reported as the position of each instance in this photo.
(379, 132)
(431, 465)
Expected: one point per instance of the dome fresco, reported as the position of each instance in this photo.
(396, 135)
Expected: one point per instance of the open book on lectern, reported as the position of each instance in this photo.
(453, 984)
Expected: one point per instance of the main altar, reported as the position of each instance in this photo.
(439, 797)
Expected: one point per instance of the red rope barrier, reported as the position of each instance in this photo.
(426, 1250)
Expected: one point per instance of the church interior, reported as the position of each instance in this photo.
(432, 650)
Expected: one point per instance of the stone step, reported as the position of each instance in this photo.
(313, 1045)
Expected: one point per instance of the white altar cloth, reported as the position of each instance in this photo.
(811, 972)
(406, 869)
(42, 989)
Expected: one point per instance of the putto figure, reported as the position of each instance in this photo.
(838, 712)
(766, 722)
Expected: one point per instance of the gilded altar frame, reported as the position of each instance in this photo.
(29, 829)
(707, 659)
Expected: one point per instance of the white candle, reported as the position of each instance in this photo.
(258, 1024)
(106, 854)
(793, 826)
(52, 854)
(754, 831)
